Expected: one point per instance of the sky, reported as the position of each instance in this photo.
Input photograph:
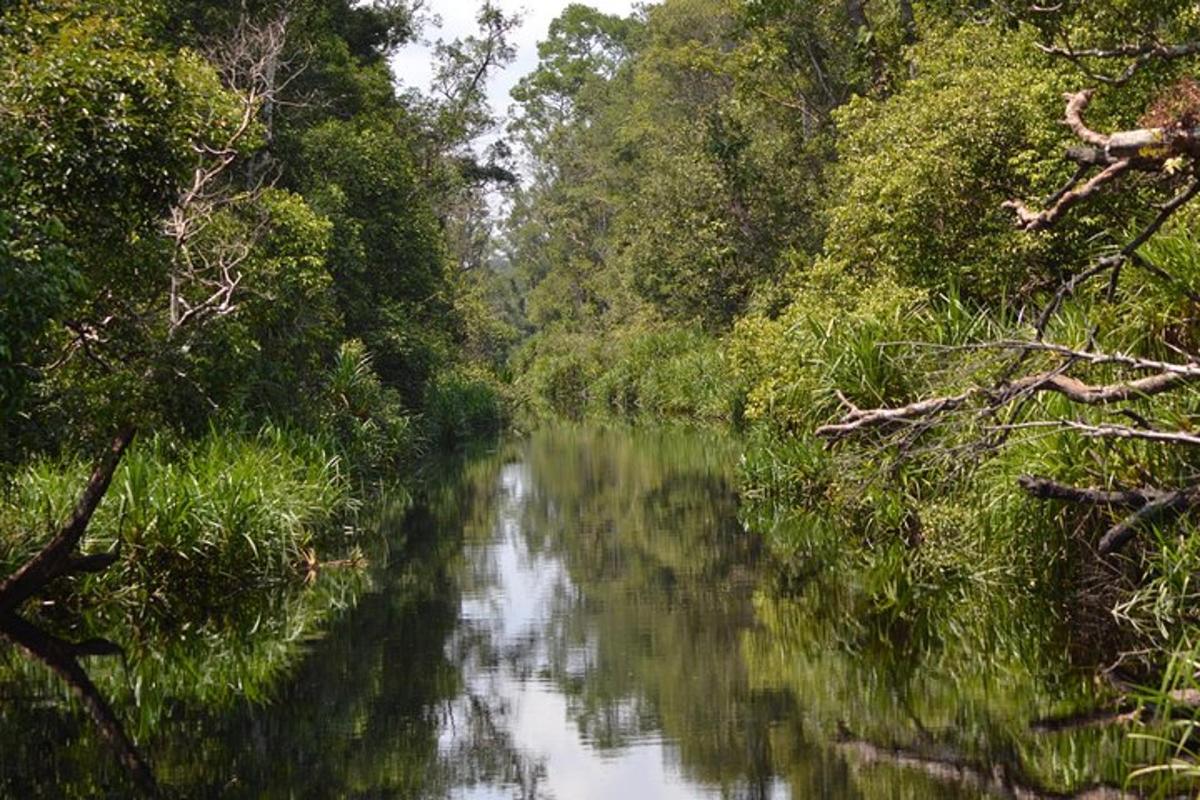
(412, 63)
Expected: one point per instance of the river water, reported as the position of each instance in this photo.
(580, 615)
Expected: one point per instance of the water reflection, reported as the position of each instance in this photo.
(577, 615)
(572, 609)
(63, 659)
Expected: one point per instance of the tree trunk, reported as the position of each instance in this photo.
(908, 22)
(856, 11)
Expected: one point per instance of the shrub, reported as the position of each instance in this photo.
(365, 419)
(460, 405)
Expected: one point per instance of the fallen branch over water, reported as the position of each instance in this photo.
(1168, 376)
(1145, 505)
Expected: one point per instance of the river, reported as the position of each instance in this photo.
(580, 615)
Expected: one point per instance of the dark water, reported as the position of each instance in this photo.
(579, 615)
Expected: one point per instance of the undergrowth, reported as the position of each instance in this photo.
(198, 524)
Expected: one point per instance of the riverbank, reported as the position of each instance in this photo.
(935, 561)
(565, 581)
(238, 555)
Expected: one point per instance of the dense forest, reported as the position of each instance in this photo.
(229, 279)
(226, 233)
(934, 262)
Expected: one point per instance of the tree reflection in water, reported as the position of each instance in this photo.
(62, 658)
(581, 614)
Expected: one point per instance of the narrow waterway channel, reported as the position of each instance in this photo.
(584, 615)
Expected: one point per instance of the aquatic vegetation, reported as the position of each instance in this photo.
(199, 525)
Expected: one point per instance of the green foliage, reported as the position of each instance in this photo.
(923, 173)
(99, 124)
(676, 373)
(198, 524)
(364, 418)
(461, 406)
(828, 339)
(110, 112)
(653, 373)
(386, 256)
(555, 373)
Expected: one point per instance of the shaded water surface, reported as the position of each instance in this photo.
(578, 615)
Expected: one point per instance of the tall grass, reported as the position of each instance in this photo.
(648, 373)
(198, 524)
(1171, 759)
(365, 419)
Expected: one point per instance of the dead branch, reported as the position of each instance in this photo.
(861, 419)
(1079, 392)
(57, 557)
(1114, 263)
(1077, 103)
(1090, 357)
(1166, 508)
(1108, 431)
(1066, 197)
(1052, 381)
(1141, 54)
(1147, 505)
(951, 768)
(1146, 149)
(1179, 702)
(204, 282)
(1164, 213)
(1046, 489)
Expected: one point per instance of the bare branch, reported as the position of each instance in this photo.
(1147, 505)
(1141, 54)
(1079, 392)
(954, 769)
(1035, 221)
(1168, 376)
(1109, 431)
(1046, 489)
(250, 61)
(1165, 508)
(1077, 103)
(1144, 149)
(1115, 262)
(879, 417)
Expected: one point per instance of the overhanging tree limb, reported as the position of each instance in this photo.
(1139, 53)
(1145, 149)
(58, 557)
(1051, 381)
